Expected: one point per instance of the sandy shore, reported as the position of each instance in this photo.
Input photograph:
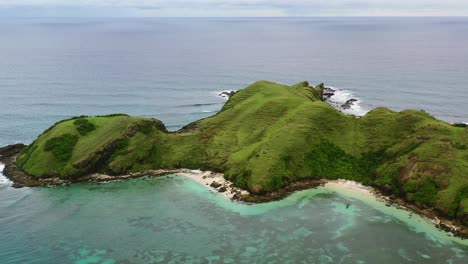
(351, 185)
(427, 213)
(356, 187)
(215, 181)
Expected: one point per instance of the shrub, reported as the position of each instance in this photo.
(61, 146)
(460, 125)
(120, 148)
(423, 193)
(460, 146)
(113, 115)
(84, 126)
(328, 160)
(146, 126)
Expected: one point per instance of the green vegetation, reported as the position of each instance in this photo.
(61, 146)
(84, 126)
(268, 136)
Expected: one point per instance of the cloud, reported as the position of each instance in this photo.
(254, 7)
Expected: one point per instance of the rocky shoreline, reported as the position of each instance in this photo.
(218, 183)
(438, 220)
(328, 95)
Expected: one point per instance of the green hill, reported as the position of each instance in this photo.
(267, 136)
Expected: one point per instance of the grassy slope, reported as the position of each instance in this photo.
(269, 135)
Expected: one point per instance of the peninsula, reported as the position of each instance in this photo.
(268, 137)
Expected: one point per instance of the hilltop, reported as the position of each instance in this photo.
(267, 137)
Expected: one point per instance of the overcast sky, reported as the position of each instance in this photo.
(232, 8)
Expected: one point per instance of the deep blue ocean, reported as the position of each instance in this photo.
(173, 70)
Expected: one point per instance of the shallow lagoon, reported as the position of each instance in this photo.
(174, 219)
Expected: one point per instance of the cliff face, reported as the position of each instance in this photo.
(267, 136)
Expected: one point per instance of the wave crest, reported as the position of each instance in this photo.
(4, 181)
(346, 102)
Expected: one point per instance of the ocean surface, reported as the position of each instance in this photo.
(177, 220)
(174, 70)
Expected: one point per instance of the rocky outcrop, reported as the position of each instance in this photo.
(156, 123)
(327, 92)
(348, 104)
(460, 125)
(95, 161)
(8, 156)
(215, 184)
(11, 150)
(227, 94)
(283, 192)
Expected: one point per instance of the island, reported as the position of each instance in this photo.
(268, 139)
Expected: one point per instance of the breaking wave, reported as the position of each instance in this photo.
(4, 181)
(345, 101)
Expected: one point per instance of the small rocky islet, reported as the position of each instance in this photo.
(269, 139)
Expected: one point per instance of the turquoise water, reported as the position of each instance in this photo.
(176, 220)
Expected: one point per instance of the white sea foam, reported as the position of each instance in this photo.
(340, 97)
(204, 112)
(3, 180)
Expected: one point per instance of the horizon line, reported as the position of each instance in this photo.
(319, 16)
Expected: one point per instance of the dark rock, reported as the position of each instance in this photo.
(11, 149)
(348, 104)
(158, 124)
(424, 137)
(17, 185)
(281, 193)
(320, 86)
(386, 189)
(227, 94)
(320, 89)
(92, 163)
(460, 125)
(188, 128)
(236, 196)
(131, 131)
(222, 189)
(12, 172)
(326, 92)
(329, 90)
(215, 184)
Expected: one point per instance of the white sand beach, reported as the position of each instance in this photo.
(214, 181)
